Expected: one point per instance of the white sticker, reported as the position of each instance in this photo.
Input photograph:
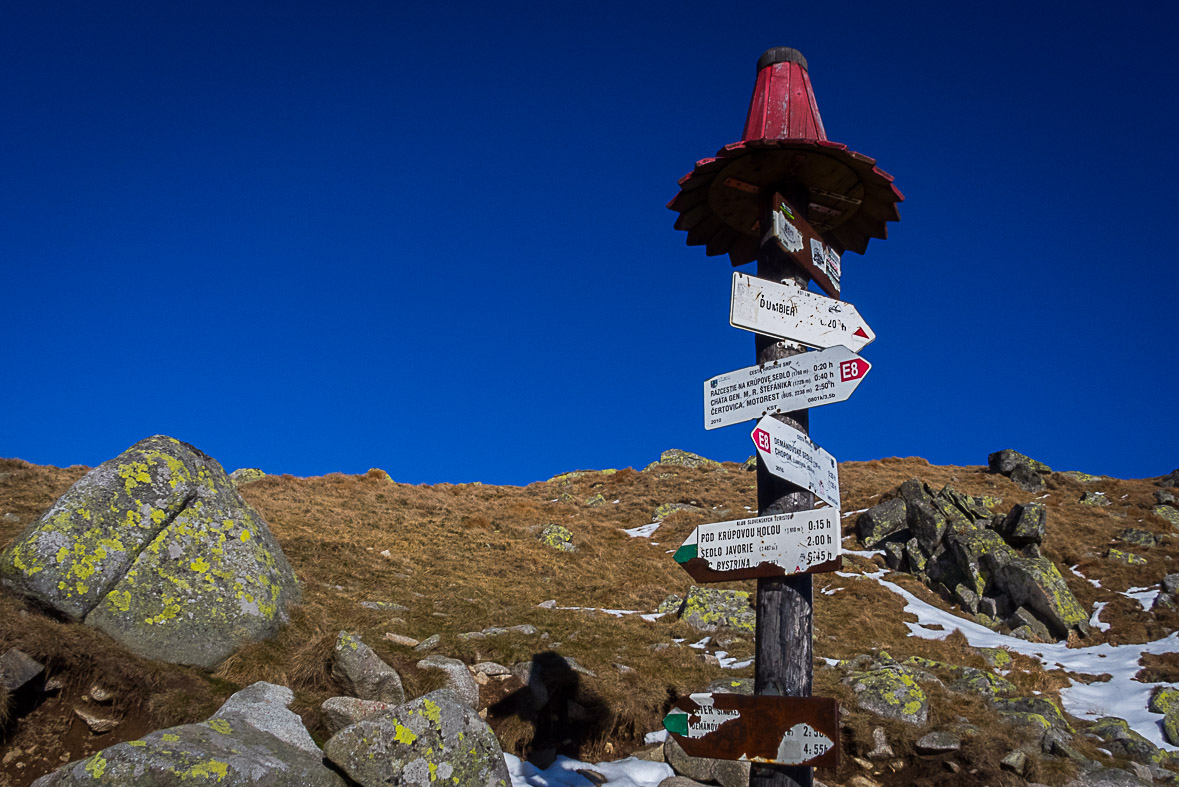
(786, 233)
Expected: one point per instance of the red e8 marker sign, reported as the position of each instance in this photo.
(852, 370)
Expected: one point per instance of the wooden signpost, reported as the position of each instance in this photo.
(765, 729)
(794, 201)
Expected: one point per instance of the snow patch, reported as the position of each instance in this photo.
(642, 531)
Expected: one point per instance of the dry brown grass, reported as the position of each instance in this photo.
(464, 557)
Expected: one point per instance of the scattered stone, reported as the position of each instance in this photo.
(710, 609)
(97, 724)
(1083, 478)
(1094, 499)
(1138, 538)
(1023, 618)
(100, 695)
(1168, 513)
(157, 549)
(677, 458)
(1171, 584)
(341, 712)
(680, 781)
(1027, 479)
(362, 673)
(557, 537)
(595, 500)
(1105, 777)
(17, 670)
(730, 686)
(458, 678)
(1123, 741)
(491, 669)
(1171, 479)
(1163, 497)
(399, 639)
(1005, 461)
(1015, 761)
(892, 693)
(430, 739)
(429, 643)
(246, 475)
(665, 510)
(880, 748)
(10, 517)
(384, 606)
(253, 727)
(1036, 583)
(1125, 557)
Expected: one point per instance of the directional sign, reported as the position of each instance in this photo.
(802, 243)
(804, 542)
(806, 380)
(761, 728)
(790, 454)
(787, 311)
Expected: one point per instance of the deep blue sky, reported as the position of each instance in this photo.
(432, 238)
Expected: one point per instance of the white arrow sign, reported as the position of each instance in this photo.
(789, 543)
(790, 454)
(787, 311)
(806, 380)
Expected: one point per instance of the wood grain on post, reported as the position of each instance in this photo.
(784, 648)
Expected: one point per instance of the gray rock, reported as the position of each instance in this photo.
(1171, 584)
(1123, 741)
(967, 598)
(730, 686)
(1167, 513)
(680, 781)
(557, 537)
(891, 692)
(17, 670)
(1026, 524)
(915, 556)
(1015, 761)
(1005, 461)
(1139, 538)
(491, 669)
(1034, 705)
(1036, 583)
(710, 609)
(676, 458)
(341, 712)
(1023, 617)
(157, 548)
(881, 521)
(894, 555)
(978, 553)
(1094, 499)
(264, 706)
(881, 750)
(1171, 479)
(698, 768)
(458, 678)
(731, 773)
(1027, 479)
(938, 742)
(246, 475)
(1162, 496)
(429, 643)
(927, 524)
(427, 740)
(227, 749)
(362, 673)
(1105, 777)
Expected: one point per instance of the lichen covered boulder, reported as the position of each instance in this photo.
(430, 740)
(674, 457)
(253, 740)
(711, 609)
(891, 691)
(1036, 583)
(557, 537)
(157, 548)
(881, 521)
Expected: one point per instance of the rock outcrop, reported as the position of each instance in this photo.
(157, 548)
(1021, 469)
(987, 562)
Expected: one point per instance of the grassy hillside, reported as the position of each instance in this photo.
(376, 556)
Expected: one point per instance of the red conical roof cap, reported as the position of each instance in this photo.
(783, 104)
(784, 145)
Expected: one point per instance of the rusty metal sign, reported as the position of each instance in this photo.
(803, 542)
(775, 730)
(802, 243)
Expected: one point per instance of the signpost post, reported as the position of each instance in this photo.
(794, 201)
